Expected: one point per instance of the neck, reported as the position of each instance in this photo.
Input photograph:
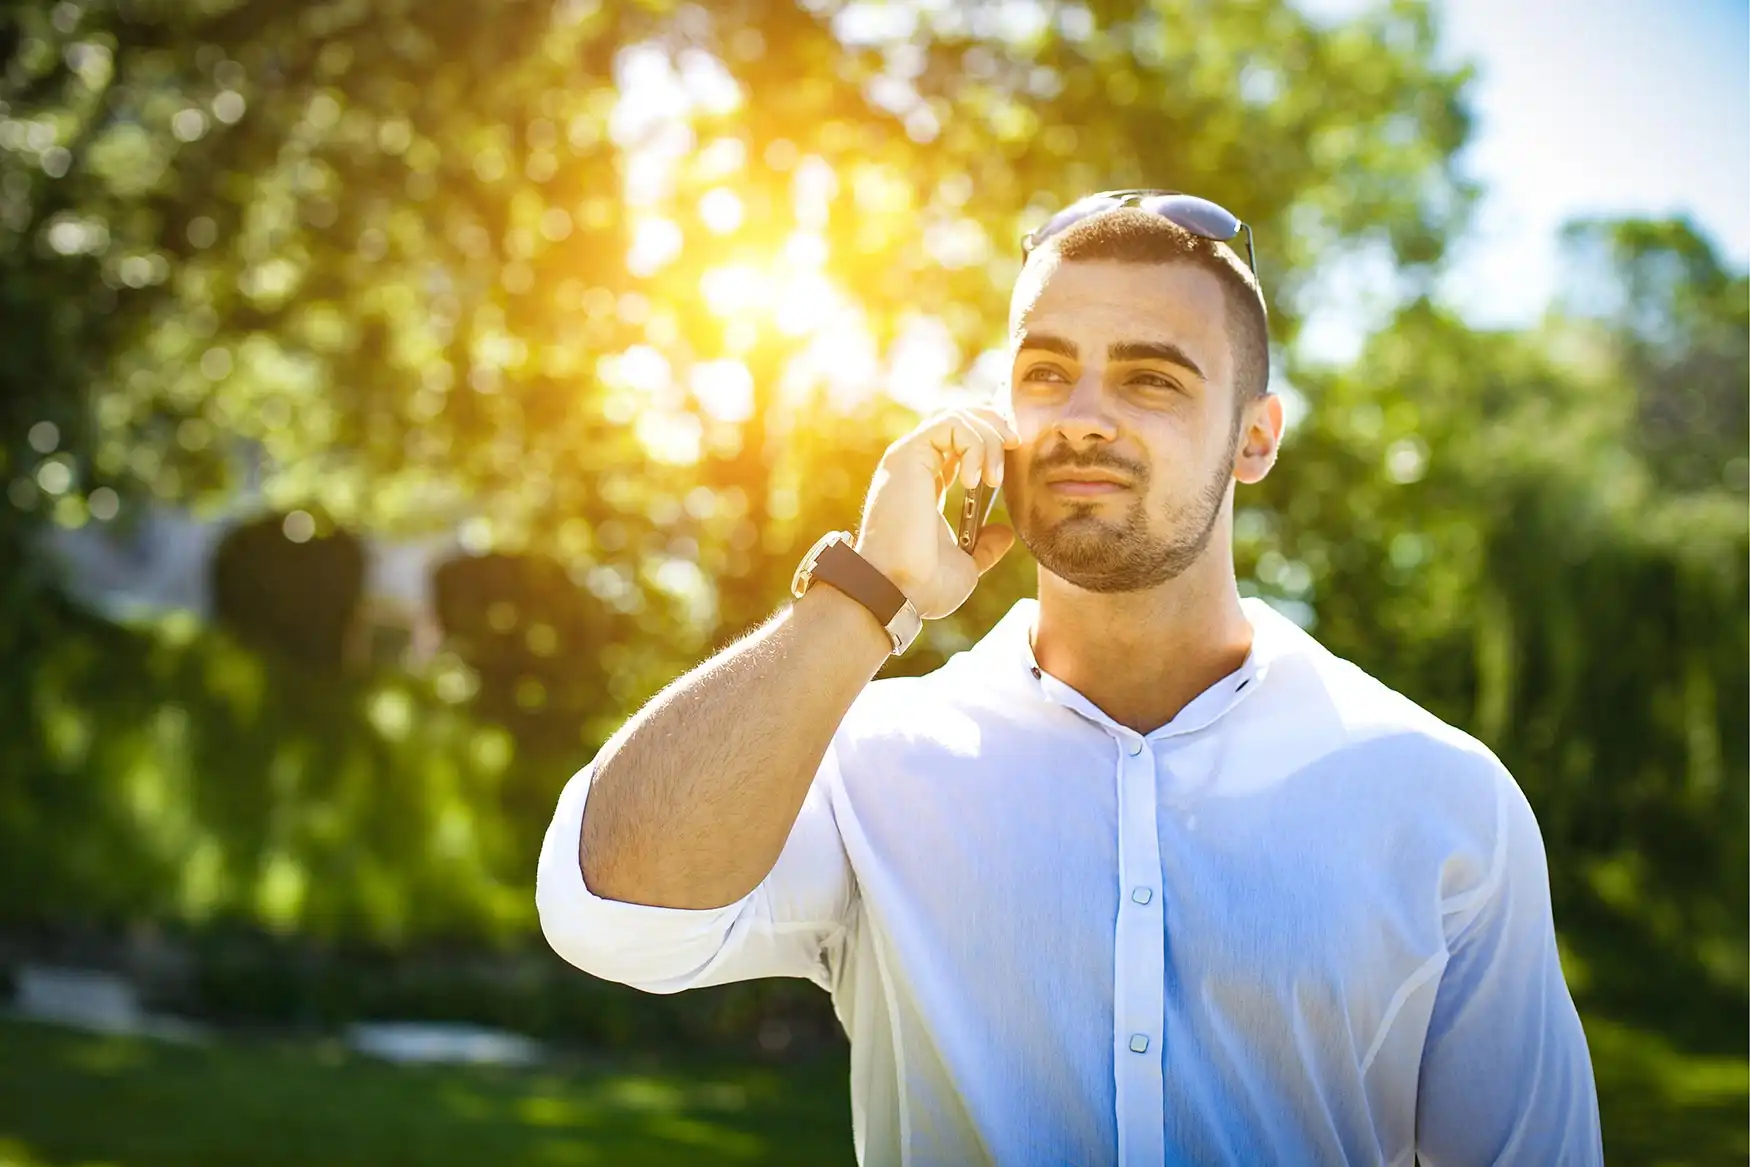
(1141, 657)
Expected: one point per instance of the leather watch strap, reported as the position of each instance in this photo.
(850, 573)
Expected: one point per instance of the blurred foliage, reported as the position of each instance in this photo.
(630, 297)
(557, 266)
(544, 654)
(1679, 327)
(166, 773)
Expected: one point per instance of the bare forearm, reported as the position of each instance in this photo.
(693, 799)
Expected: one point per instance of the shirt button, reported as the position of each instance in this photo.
(1142, 895)
(1139, 1043)
(1136, 747)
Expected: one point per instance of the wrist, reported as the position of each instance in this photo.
(850, 621)
(832, 560)
(898, 579)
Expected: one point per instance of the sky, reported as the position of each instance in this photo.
(1583, 107)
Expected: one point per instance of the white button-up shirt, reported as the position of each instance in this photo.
(1303, 922)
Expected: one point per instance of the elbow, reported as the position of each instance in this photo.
(656, 950)
(567, 930)
(598, 947)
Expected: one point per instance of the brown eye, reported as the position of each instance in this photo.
(1045, 373)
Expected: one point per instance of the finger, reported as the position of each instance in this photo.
(1010, 440)
(953, 438)
(993, 543)
(991, 452)
(985, 461)
(946, 470)
(1001, 422)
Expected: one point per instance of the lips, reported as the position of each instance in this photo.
(1081, 487)
(1085, 484)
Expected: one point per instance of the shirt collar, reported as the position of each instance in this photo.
(1006, 654)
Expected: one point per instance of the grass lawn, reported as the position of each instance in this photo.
(69, 1098)
(72, 1098)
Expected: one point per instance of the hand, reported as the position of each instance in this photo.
(904, 535)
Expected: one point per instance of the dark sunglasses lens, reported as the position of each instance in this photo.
(1198, 216)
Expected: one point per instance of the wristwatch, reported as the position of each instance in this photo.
(834, 560)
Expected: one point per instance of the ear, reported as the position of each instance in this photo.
(1260, 438)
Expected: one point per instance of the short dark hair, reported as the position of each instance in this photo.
(1130, 235)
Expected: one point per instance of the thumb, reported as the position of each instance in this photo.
(993, 543)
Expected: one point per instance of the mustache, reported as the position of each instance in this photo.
(1063, 457)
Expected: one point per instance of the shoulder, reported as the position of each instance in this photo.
(1461, 799)
(1361, 709)
(1439, 766)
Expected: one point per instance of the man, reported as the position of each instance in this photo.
(1145, 876)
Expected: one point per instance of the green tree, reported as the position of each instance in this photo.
(1491, 522)
(387, 245)
(607, 284)
(1677, 322)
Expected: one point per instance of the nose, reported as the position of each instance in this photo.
(1086, 417)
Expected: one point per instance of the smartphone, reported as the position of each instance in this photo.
(975, 508)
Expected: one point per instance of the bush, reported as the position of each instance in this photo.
(292, 599)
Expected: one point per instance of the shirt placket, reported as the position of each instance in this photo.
(1139, 961)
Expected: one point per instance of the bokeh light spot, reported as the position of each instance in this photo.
(299, 527)
(54, 477)
(733, 289)
(725, 389)
(229, 106)
(721, 210)
(655, 241)
(104, 503)
(44, 436)
(188, 125)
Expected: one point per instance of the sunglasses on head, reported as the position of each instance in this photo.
(1198, 216)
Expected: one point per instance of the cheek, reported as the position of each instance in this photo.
(1190, 439)
(1178, 464)
(1029, 420)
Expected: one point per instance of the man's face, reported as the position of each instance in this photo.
(1122, 391)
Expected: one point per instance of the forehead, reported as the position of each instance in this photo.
(1097, 303)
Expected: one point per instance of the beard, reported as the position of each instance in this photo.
(1126, 554)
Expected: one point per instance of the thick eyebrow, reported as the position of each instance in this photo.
(1134, 350)
(1049, 343)
(1165, 351)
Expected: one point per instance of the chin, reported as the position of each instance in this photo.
(1105, 576)
(1086, 530)
(1108, 558)
(1085, 557)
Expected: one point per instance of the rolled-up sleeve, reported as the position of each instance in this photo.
(1506, 1076)
(788, 926)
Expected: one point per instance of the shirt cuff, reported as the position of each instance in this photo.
(652, 948)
